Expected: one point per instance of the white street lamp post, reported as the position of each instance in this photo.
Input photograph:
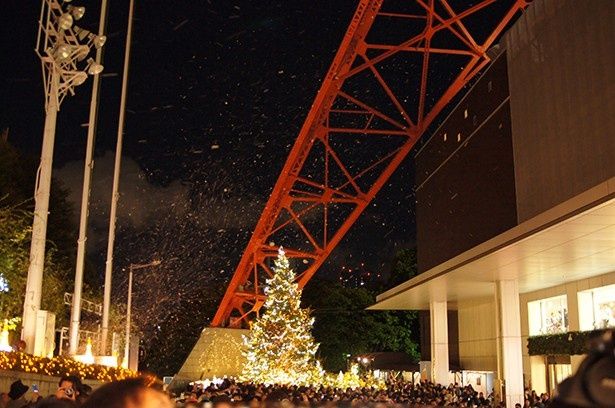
(128, 317)
(131, 268)
(115, 194)
(60, 51)
(34, 284)
(75, 315)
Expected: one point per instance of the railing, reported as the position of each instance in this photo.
(84, 335)
(86, 305)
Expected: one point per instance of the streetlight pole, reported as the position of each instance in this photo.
(59, 48)
(34, 285)
(131, 268)
(75, 315)
(116, 180)
(128, 317)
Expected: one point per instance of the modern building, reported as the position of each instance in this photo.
(516, 206)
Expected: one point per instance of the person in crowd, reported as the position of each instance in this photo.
(53, 402)
(68, 388)
(130, 393)
(68, 394)
(136, 393)
(4, 399)
(83, 393)
(222, 401)
(192, 401)
(17, 394)
(398, 394)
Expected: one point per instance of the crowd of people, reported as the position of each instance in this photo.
(72, 393)
(396, 394)
(143, 393)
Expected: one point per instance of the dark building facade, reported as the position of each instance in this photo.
(516, 207)
(536, 129)
(465, 184)
(561, 64)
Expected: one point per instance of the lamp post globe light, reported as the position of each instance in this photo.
(61, 53)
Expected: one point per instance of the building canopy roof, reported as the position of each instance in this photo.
(572, 241)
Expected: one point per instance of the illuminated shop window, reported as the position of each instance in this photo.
(597, 308)
(548, 316)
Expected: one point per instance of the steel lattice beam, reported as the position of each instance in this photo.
(322, 191)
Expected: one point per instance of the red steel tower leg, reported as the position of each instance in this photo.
(378, 98)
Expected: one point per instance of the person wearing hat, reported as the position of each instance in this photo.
(17, 395)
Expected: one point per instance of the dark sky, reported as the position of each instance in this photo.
(218, 91)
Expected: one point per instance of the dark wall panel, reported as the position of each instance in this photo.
(465, 181)
(561, 63)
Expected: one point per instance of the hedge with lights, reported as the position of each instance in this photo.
(61, 366)
(569, 343)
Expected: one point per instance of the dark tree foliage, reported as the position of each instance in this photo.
(343, 327)
(17, 183)
(15, 227)
(404, 267)
(17, 178)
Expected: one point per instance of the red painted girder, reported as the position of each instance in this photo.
(359, 26)
(296, 198)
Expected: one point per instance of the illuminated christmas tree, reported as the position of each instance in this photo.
(280, 348)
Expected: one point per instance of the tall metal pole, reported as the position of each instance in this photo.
(59, 48)
(34, 285)
(131, 269)
(116, 179)
(75, 316)
(128, 316)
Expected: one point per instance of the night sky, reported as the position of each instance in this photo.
(217, 94)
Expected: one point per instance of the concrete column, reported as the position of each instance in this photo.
(572, 302)
(510, 361)
(439, 342)
(575, 362)
(538, 368)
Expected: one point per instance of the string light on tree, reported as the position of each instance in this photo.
(4, 284)
(280, 348)
(6, 325)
